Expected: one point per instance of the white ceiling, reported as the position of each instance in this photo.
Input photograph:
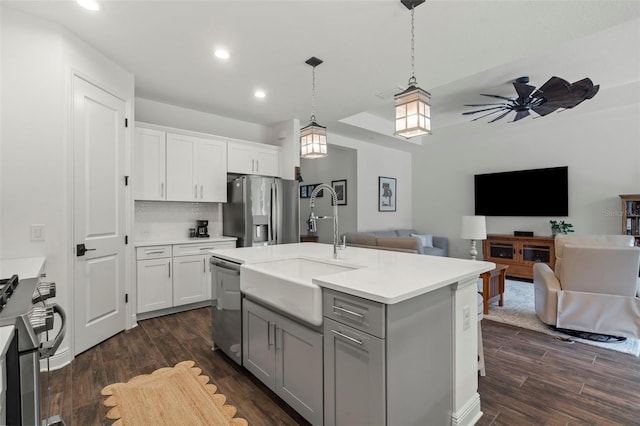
(168, 46)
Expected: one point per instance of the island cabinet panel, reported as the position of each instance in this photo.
(286, 356)
(354, 376)
(402, 375)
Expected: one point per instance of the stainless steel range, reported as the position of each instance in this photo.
(23, 305)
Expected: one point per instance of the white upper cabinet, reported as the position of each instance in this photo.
(149, 178)
(253, 159)
(196, 169)
(212, 170)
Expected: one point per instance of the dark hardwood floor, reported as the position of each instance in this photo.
(531, 377)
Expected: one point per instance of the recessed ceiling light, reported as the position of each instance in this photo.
(89, 4)
(221, 54)
(259, 94)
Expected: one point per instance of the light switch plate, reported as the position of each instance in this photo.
(37, 232)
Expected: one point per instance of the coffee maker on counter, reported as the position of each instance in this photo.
(202, 230)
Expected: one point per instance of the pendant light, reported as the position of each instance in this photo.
(413, 109)
(313, 137)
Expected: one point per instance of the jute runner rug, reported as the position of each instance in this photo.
(169, 396)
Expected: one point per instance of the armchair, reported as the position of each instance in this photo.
(594, 287)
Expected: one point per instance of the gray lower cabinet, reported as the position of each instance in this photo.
(388, 364)
(354, 379)
(286, 356)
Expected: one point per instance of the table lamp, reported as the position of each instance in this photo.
(473, 228)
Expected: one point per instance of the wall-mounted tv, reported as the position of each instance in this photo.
(535, 192)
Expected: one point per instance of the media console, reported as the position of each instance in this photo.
(519, 253)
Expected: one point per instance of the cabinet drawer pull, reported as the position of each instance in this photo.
(169, 269)
(162, 189)
(195, 191)
(351, 339)
(206, 248)
(201, 191)
(347, 311)
(155, 252)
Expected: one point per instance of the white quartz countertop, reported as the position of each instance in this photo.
(25, 267)
(163, 242)
(383, 276)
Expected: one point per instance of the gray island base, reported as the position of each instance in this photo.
(393, 348)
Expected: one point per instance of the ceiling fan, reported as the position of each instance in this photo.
(555, 94)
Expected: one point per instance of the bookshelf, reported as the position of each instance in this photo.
(631, 215)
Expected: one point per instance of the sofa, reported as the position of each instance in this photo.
(404, 240)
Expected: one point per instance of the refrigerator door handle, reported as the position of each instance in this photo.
(273, 231)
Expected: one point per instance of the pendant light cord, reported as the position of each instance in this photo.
(313, 94)
(412, 80)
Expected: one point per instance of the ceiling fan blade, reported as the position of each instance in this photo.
(524, 90)
(481, 105)
(521, 114)
(555, 87)
(481, 110)
(544, 109)
(497, 96)
(593, 91)
(500, 116)
(486, 115)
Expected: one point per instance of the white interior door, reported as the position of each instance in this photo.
(99, 214)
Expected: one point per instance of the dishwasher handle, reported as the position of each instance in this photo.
(226, 267)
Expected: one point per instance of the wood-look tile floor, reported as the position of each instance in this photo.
(532, 379)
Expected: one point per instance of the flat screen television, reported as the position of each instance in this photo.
(535, 192)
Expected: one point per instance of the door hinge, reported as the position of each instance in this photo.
(126, 181)
(126, 239)
(126, 298)
(126, 122)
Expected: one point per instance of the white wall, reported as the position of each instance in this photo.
(599, 140)
(37, 60)
(149, 111)
(374, 161)
(340, 163)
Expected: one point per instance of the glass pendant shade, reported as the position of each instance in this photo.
(413, 113)
(313, 141)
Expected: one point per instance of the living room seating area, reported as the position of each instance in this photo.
(406, 240)
(595, 286)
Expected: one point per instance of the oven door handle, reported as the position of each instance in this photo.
(50, 347)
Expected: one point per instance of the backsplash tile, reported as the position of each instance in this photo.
(158, 220)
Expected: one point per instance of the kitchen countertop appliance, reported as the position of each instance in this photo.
(23, 305)
(202, 230)
(262, 211)
(227, 313)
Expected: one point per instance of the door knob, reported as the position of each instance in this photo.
(81, 250)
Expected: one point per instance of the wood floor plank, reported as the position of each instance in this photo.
(532, 379)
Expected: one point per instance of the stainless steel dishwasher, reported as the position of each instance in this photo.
(227, 313)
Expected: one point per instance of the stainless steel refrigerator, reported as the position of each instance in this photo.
(262, 211)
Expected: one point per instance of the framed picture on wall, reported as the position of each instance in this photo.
(386, 194)
(312, 187)
(340, 186)
(303, 191)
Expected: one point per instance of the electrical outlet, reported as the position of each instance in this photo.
(466, 317)
(37, 232)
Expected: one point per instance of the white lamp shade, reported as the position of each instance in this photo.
(473, 228)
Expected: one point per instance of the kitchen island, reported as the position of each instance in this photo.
(410, 321)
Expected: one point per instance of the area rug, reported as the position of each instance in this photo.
(169, 396)
(519, 310)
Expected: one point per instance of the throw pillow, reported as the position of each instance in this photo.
(426, 239)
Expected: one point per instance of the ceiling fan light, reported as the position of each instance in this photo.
(413, 113)
(313, 141)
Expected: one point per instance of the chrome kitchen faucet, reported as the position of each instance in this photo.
(313, 218)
